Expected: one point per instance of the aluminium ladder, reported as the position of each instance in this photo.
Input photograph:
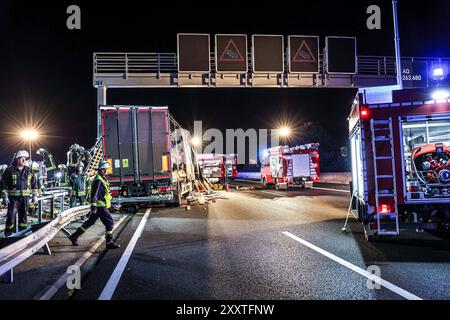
(379, 129)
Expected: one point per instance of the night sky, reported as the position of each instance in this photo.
(46, 69)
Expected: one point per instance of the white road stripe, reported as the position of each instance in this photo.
(368, 275)
(113, 281)
(330, 189)
(273, 193)
(251, 181)
(62, 280)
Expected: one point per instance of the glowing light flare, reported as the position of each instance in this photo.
(440, 95)
(196, 141)
(29, 135)
(284, 131)
(438, 72)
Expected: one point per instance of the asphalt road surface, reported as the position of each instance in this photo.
(266, 244)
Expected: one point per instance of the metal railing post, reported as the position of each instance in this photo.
(62, 203)
(159, 64)
(40, 211)
(52, 207)
(126, 65)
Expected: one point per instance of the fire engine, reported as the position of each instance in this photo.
(401, 164)
(285, 166)
(218, 168)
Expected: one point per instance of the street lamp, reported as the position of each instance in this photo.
(29, 135)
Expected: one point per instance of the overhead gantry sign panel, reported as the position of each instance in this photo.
(231, 65)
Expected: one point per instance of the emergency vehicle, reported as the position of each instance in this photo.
(218, 168)
(285, 166)
(401, 164)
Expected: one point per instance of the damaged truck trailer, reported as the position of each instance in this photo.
(401, 166)
(151, 156)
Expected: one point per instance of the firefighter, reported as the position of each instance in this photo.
(79, 183)
(2, 169)
(75, 155)
(18, 183)
(62, 176)
(36, 171)
(100, 203)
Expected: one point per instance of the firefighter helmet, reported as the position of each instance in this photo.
(103, 165)
(80, 164)
(74, 147)
(62, 166)
(41, 152)
(22, 153)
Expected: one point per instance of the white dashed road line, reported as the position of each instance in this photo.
(405, 294)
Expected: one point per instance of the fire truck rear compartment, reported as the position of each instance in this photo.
(426, 159)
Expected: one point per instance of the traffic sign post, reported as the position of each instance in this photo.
(303, 54)
(193, 53)
(231, 53)
(267, 53)
(340, 55)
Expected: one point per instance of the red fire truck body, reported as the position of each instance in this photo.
(285, 167)
(401, 166)
(218, 168)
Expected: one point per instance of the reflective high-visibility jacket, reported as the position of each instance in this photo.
(100, 193)
(79, 183)
(19, 183)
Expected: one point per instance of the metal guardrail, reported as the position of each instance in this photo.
(124, 64)
(15, 253)
(132, 63)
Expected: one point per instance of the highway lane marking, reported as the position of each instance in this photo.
(368, 275)
(113, 281)
(251, 181)
(330, 189)
(62, 280)
(273, 193)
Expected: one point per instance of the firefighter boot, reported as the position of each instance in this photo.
(110, 244)
(74, 236)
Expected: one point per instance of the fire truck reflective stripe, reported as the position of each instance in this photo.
(405, 294)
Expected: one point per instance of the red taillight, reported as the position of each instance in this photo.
(364, 113)
(385, 208)
(114, 192)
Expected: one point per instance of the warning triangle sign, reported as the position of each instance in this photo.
(231, 53)
(304, 54)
